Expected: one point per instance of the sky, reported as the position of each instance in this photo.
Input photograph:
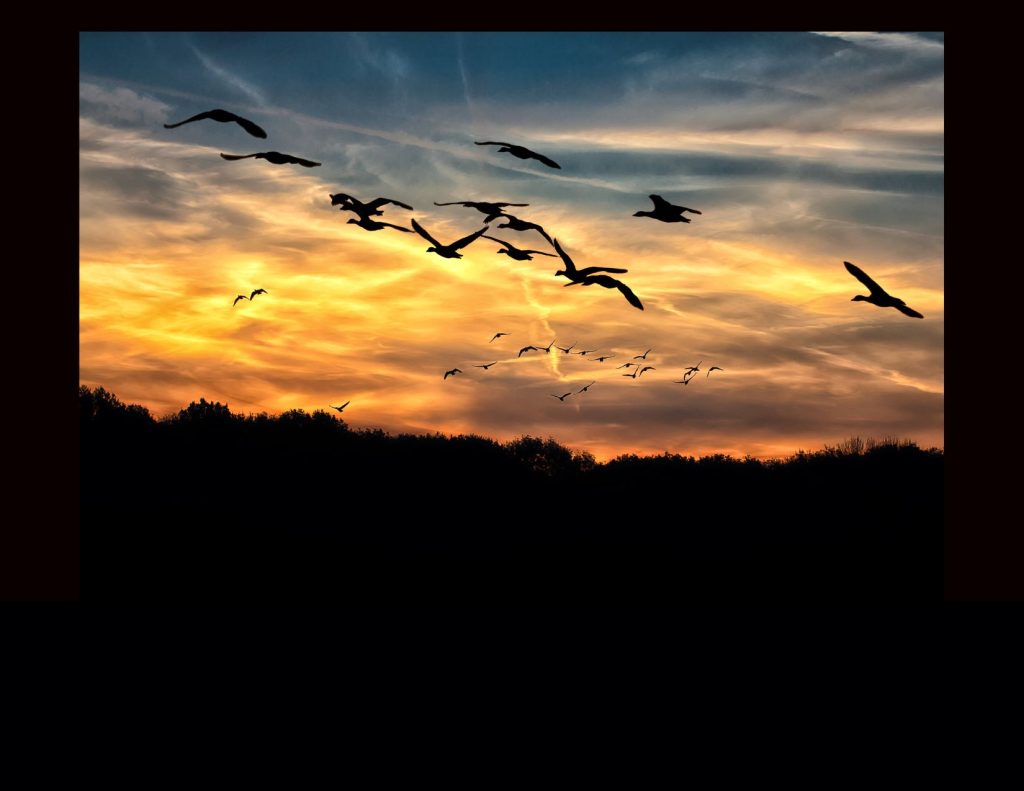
(801, 150)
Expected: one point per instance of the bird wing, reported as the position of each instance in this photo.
(341, 197)
(499, 241)
(909, 311)
(694, 211)
(238, 156)
(249, 126)
(378, 202)
(240, 296)
(526, 349)
(511, 204)
(396, 227)
(467, 239)
(199, 117)
(494, 143)
(452, 203)
(611, 282)
(539, 229)
(857, 272)
(253, 294)
(660, 204)
(541, 158)
(538, 252)
(589, 271)
(422, 232)
(306, 163)
(569, 265)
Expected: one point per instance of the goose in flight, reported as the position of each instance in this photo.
(642, 356)
(446, 250)
(240, 296)
(585, 389)
(275, 158)
(348, 203)
(578, 275)
(561, 397)
(713, 368)
(548, 347)
(566, 350)
(514, 252)
(257, 291)
(878, 295)
(603, 358)
(526, 349)
(665, 211)
(492, 210)
(340, 408)
(452, 372)
(521, 225)
(628, 365)
(496, 336)
(373, 225)
(485, 366)
(585, 352)
(647, 368)
(633, 375)
(693, 368)
(521, 152)
(683, 381)
(224, 117)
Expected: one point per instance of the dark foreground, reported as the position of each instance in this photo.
(210, 507)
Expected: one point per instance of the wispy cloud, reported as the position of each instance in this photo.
(232, 80)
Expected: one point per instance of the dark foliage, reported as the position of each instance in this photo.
(208, 506)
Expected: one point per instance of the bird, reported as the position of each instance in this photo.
(521, 152)
(713, 368)
(647, 368)
(452, 372)
(514, 252)
(520, 225)
(373, 225)
(693, 368)
(497, 335)
(492, 210)
(603, 358)
(878, 295)
(526, 349)
(665, 211)
(348, 203)
(485, 367)
(257, 291)
(628, 365)
(446, 250)
(585, 389)
(548, 347)
(275, 158)
(340, 408)
(585, 352)
(566, 350)
(586, 277)
(683, 381)
(633, 375)
(561, 397)
(643, 356)
(240, 296)
(611, 282)
(224, 117)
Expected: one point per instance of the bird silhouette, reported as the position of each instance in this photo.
(257, 291)
(665, 211)
(371, 209)
(446, 250)
(561, 397)
(642, 356)
(452, 372)
(548, 347)
(585, 352)
(373, 225)
(526, 349)
(578, 275)
(693, 368)
(340, 408)
(521, 152)
(485, 367)
(585, 389)
(647, 368)
(633, 375)
(611, 282)
(240, 296)
(628, 365)
(514, 252)
(566, 349)
(497, 335)
(224, 117)
(275, 158)
(878, 295)
(683, 381)
(713, 368)
(492, 210)
(520, 225)
(603, 358)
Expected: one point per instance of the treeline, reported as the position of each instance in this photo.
(304, 497)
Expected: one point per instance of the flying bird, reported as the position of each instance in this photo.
(514, 252)
(684, 381)
(224, 117)
(452, 372)
(492, 210)
(665, 211)
(642, 356)
(585, 389)
(257, 291)
(878, 295)
(275, 158)
(520, 225)
(693, 368)
(521, 152)
(497, 335)
(526, 349)
(348, 203)
(628, 365)
(340, 408)
(548, 347)
(713, 368)
(603, 358)
(240, 296)
(578, 275)
(561, 397)
(566, 350)
(446, 250)
(585, 352)
(647, 368)
(485, 367)
(373, 225)
(633, 375)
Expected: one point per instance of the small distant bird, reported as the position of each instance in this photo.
(561, 397)
(684, 381)
(603, 358)
(452, 372)
(566, 349)
(878, 295)
(585, 389)
(521, 225)
(497, 335)
(585, 352)
(348, 203)
(521, 152)
(340, 408)
(224, 117)
(643, 356)
(526, 349)
(275, 158)
(633, 375)
(485, 367)
(446, 250)
(693, 368)
(713, 368)
(257, 291)
(548, 347)
(240, 296)
(514, 252)
(628, 365)
(491, 209)
(665, 211)
(647, 368)
(373, 225)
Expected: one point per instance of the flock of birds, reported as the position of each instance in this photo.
(587, 276)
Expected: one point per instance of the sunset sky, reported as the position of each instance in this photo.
(802, 150)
